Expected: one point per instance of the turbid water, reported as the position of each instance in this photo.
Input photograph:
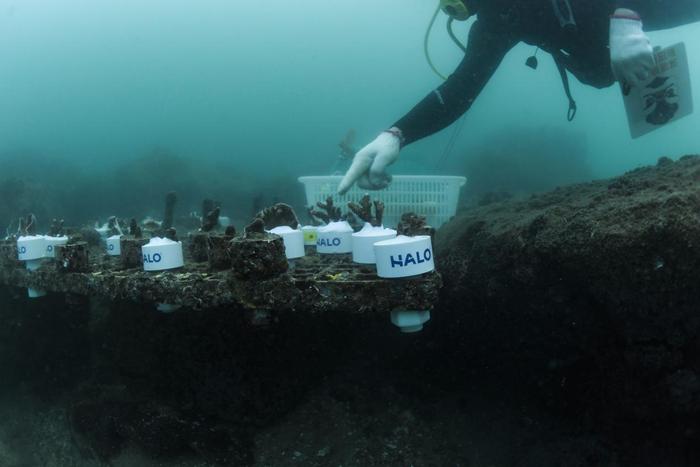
(536, 354)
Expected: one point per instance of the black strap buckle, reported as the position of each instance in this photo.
(573, 108)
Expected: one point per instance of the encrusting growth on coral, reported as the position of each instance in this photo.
(363, 210)
(412, 224)
(230, 231)
(171, 234)
(255, 229)
(280, 214)
(210, 215)
(134, 229)
(56, 229)
(168, 218)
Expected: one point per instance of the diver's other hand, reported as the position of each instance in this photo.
(369, 165)
(631, 53)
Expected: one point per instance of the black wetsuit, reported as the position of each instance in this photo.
(501, 24)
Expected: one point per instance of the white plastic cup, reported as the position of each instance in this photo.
(32, 250)
(334, 238)
(364, 240)
(35, 293)
(404, 256)
(410, 321)
(52, 243)
(33, 265)
(167, 307)
(161, 254)
(31, 247)
(114, 245)
(310, 235)
(293, 241)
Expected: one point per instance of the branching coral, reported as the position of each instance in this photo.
(364, 210)
(412, 224)
(312, 218)
(114, 226)
(27, 225)
(332, 213)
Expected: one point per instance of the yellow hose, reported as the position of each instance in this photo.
(426, 41)
(454, 37)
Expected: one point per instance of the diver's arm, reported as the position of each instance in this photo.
(485, 50)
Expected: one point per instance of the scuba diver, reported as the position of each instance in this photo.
(597, 41)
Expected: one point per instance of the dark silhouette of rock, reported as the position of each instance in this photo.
(591, 291)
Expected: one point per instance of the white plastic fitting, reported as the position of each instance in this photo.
(334, 238)
(114, 245)
(364, 240)
(293, 241)
(160, 254)
(410, 321)
(167, 307)
(32, 247)
(32, 250)
(404, 256)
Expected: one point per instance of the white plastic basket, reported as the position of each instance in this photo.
(434, 197)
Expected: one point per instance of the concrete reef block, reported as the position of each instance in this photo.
(8, 253)
(218, 253)
(72, 257)
(131, 252)
(602, 275)
(199, 247)
(258, 258)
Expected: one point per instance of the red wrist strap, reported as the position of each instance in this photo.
(398, 133)
(631, 17)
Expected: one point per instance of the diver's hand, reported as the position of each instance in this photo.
(369, 165)
(631, 53)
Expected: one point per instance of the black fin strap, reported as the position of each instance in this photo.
(571, 114)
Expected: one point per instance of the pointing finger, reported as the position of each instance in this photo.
(360, 165)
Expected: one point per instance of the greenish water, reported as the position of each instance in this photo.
(274, 86)
(105, 106)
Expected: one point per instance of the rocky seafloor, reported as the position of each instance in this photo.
(567, 335)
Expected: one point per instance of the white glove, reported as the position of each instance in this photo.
(631, 54)
(369, 165)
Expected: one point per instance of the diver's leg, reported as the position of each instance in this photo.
(664, 14)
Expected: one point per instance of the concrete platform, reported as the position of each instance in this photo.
(314, 283)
